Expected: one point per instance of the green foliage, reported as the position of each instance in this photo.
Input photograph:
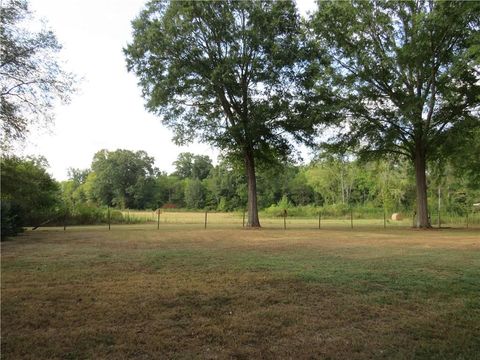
(401, 78)
(11, 219)
(278, 209)
(29, 194)
(123, 178)
(194, 194)
(31, 78)
(333, 179)
(368, 187)
(222, 72)
(192, 166)
(301, 193)
(83, 214)
(176, 191)
(401, 70)
(393, 185)
(201, 62)
(462, 157)
(225, 187)
(222, 204)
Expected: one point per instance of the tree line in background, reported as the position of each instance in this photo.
(125, 179)
(386, 79)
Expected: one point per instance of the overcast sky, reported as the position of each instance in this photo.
(108, 111)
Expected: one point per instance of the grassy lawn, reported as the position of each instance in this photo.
(183, 293)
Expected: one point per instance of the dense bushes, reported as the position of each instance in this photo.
(12, 222)
(86, 215)
(334, 211)
(30, 197)
(29, 194)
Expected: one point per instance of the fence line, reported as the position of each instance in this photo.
(352, 220)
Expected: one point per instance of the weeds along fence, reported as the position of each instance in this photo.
(353, 219)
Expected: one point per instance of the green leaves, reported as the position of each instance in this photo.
(31, 79)
(122, 178)
(220, 72)
(28, 195)
(192, 166)
(403, 77)
(401, 70)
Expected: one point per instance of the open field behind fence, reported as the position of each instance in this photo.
(234, 220)
(180, 293)
(238, 219)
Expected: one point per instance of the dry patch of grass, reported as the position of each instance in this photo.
(196, 219)
(241, 294)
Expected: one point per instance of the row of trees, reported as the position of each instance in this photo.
(386, 78)
(126, 179)
(396, 77)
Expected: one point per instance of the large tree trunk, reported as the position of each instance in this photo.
(421, 184)
(253, 221)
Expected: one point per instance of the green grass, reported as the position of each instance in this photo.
(217, 293)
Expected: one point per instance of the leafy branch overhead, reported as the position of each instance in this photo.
(404, 72)
(219, 71)
(32, 79)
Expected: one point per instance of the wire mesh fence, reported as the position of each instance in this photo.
(353, 219)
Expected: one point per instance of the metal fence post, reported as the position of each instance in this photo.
(439, 207)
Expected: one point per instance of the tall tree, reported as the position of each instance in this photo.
(31, 78)
(183, 165)
(404, 75)
(194, 194)
(221, 71)
(202, 165)
(334, 178)
(123, 178)
(192, 166)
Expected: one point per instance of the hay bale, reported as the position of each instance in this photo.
(397, 217)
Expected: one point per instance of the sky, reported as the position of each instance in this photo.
(108, 110)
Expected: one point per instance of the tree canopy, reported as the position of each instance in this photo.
(402, 78)
(222, 72)
(31, 77)
(189, 165)
(28, 193)
(123, 178)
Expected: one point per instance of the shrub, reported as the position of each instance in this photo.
(11, 218)
(84, 214)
